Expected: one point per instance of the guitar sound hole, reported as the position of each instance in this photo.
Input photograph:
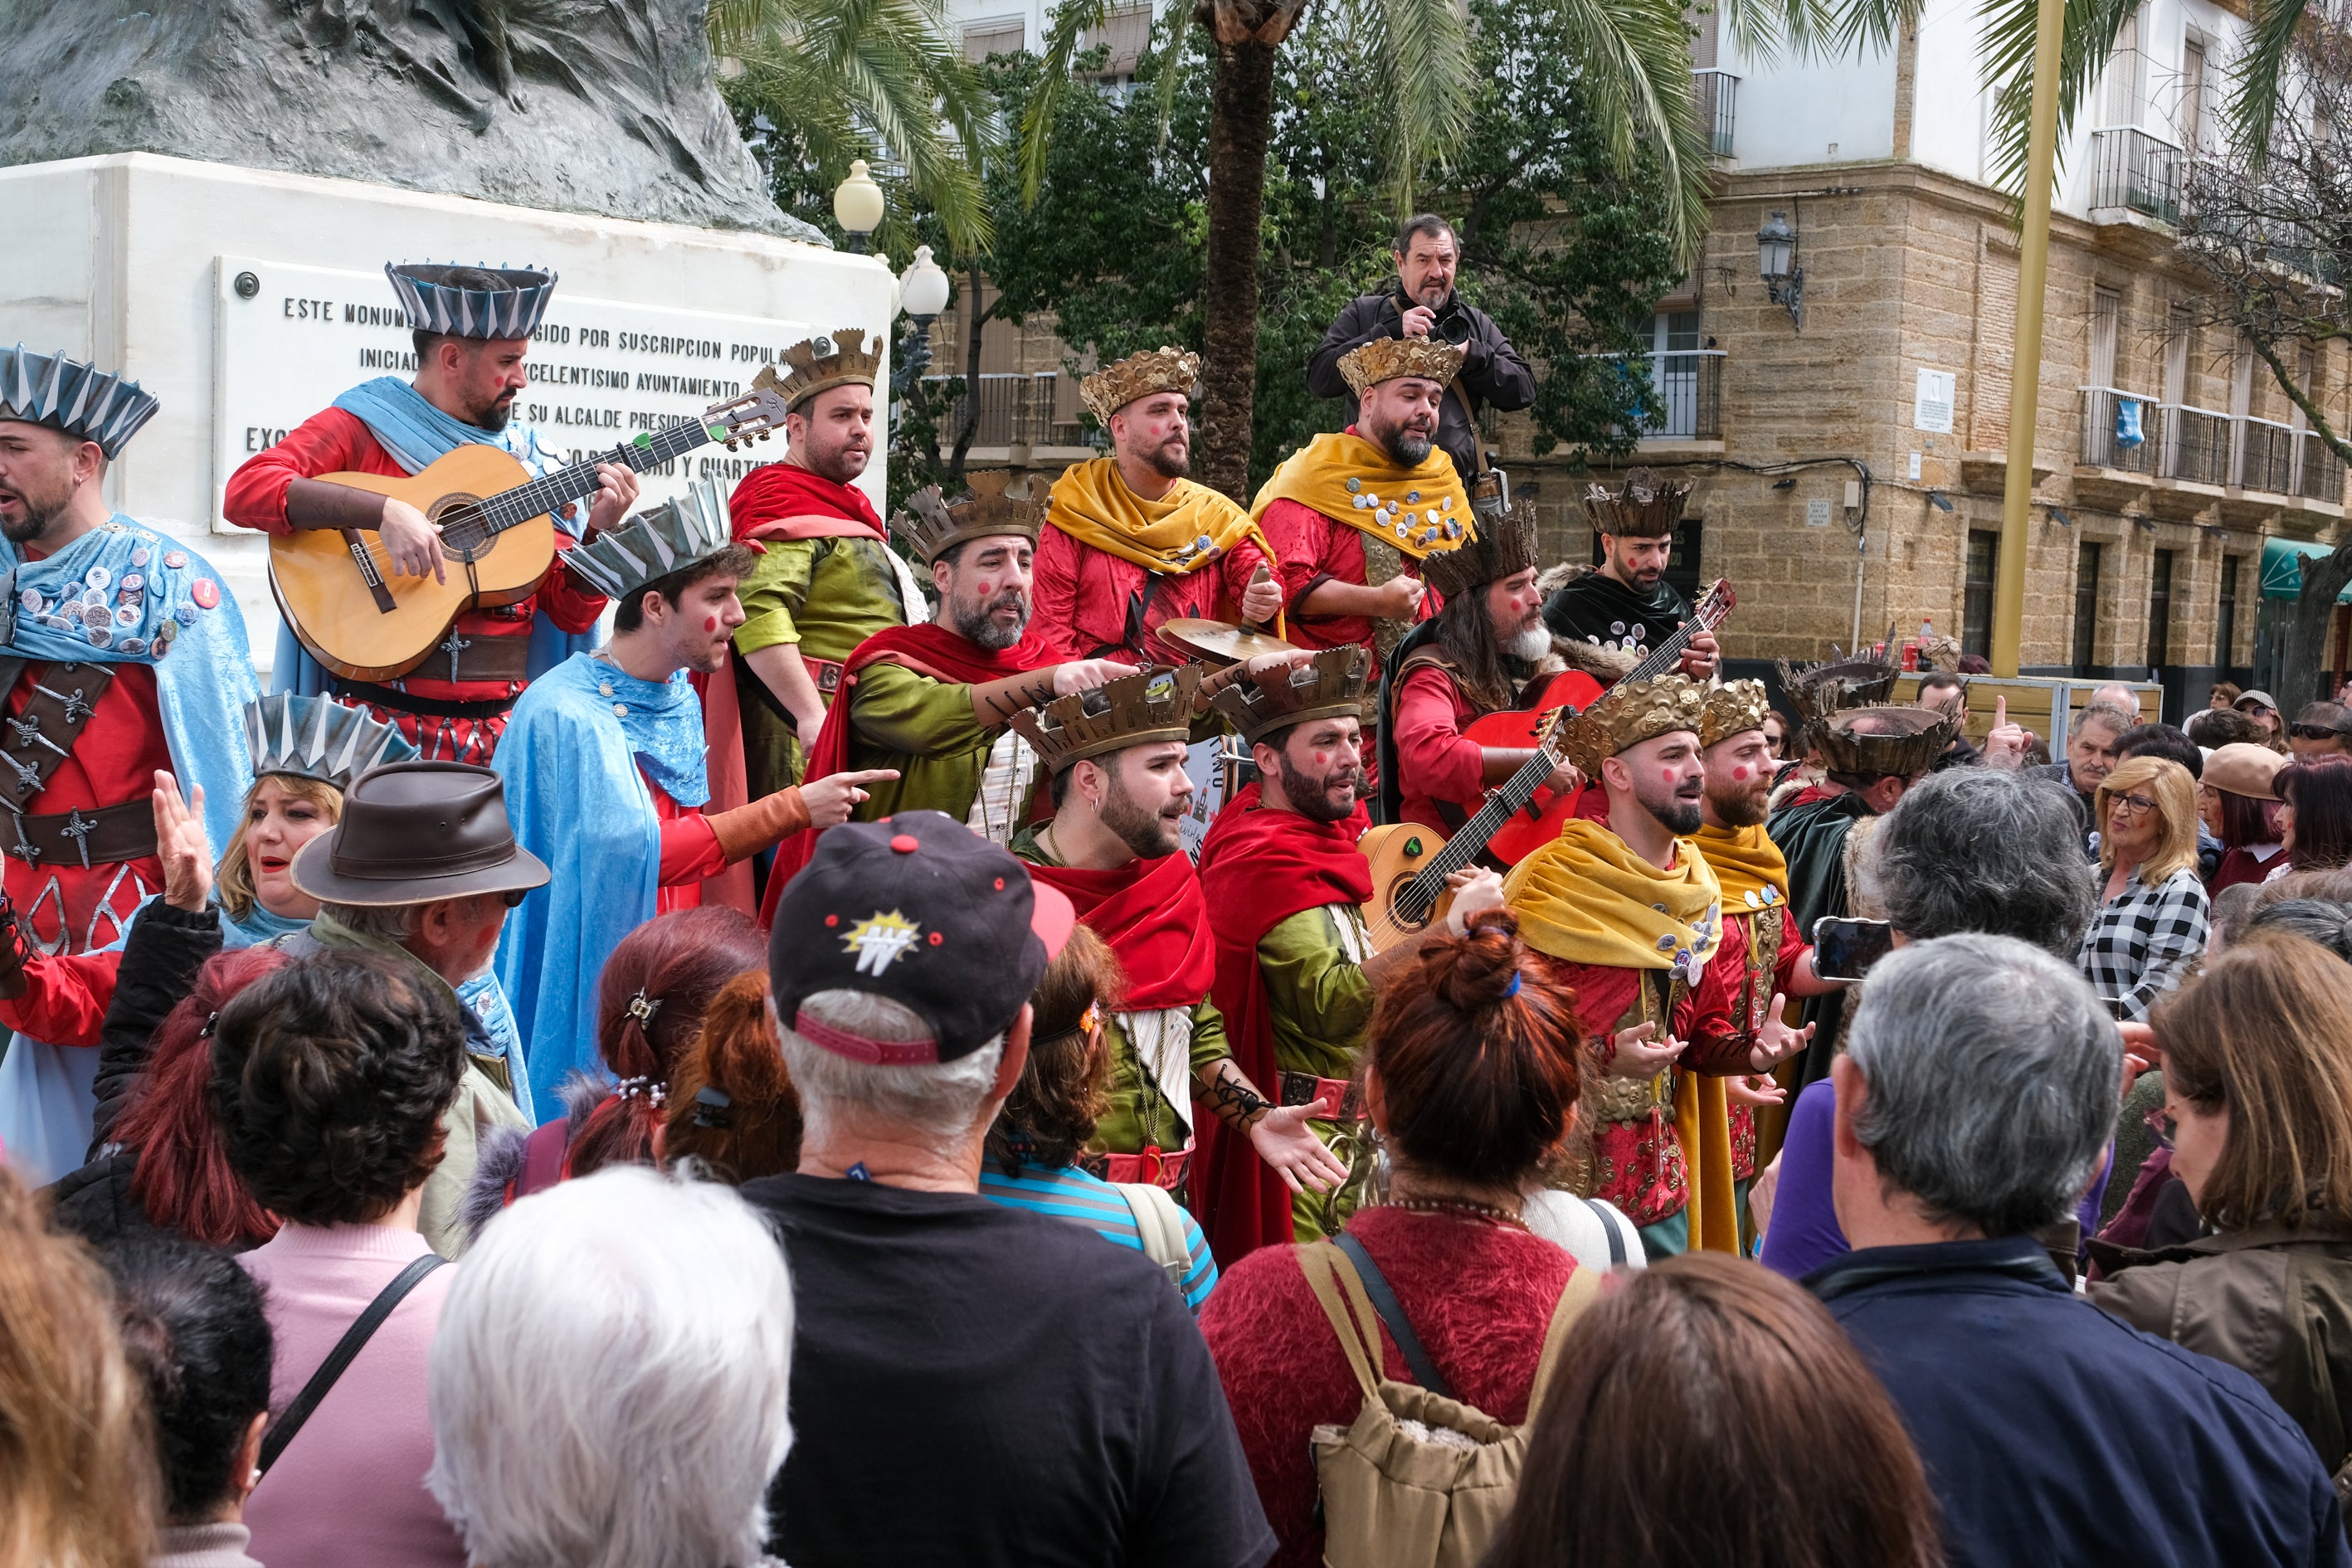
(465, 533)
(1407, 909)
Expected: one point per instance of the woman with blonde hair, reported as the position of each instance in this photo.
(2153, 916)
(2258, 1086)
(79, 1487)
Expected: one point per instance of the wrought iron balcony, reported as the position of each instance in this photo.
(2135, 172)
(1717, 92)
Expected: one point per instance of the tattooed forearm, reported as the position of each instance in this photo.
(1231, 1096)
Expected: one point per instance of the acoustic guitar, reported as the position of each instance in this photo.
(1410, 863)
(337, 590)
(1540, 819)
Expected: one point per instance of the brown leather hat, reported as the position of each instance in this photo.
(413, 833)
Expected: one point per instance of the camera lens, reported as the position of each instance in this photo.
(1454, 329)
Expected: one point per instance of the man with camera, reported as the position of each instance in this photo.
(1422, 303)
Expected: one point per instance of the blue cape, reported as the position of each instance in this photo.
(577, 801)
(414, 433)
(203, 679)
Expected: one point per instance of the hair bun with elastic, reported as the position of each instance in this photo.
(1481, 968)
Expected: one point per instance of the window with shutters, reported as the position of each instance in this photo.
(2086, 608)
(993, 36)
(1126, 32)
(2160, 611)
(1976, 592)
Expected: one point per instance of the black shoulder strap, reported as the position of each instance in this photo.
(355, 1338)
(1385, 1303)
(1606, 1216)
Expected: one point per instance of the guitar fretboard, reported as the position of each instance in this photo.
(1418, 896)
(542, 496)
(1669, 653)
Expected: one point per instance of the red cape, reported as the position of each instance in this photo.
(1153, 916)
(929, 649)
(784, 500)
(1259, 867)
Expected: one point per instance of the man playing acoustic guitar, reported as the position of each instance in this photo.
(472, 327)
(1626, 603)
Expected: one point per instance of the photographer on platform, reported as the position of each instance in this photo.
(1422, 303)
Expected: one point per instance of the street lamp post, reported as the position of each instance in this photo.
(922, 295)
(1776, 263)
(857, 207)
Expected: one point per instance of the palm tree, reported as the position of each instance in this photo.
(879, 79)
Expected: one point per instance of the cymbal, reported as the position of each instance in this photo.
(1220, 642)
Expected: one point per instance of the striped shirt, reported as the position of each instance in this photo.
(1084, 1199)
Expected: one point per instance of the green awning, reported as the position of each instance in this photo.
(2283, 568)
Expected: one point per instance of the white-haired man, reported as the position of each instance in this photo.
(1063, 1408)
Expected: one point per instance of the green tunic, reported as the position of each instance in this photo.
(925, 729)
(824, 595)
(1318, 1001)
(1139, 1115)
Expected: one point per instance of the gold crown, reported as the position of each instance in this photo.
(1644, 506)
(1629, 713)
(1385, 359)
(1732, 708)
(1330, 685)
(1496, 549)
(997, 502)
(1133, 711)
(821, 364)
(1115, 386)
(1818, 690)
(1884, 740)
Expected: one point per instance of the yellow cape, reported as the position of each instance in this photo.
(1703, 1123)
(1750, 865)
(1585, 898)
(1186, 529)
(1421, 510)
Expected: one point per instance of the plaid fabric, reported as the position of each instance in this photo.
(2143, 940)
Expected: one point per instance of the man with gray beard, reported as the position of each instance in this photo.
(935, 699)
(1469, 660)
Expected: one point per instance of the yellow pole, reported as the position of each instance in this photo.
(2025, 364)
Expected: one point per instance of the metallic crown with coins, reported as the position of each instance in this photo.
(1644, 506)
(653, 544)
(1329, 686)
(1629, 713)
(1499, 547)
(1385, 359)
(435, 302)
(996, 503)
(1115, 386)
(821, 364)
(319, 738)
(77, 399)
(1884, 740)
(1133, 711)
(1732, 708)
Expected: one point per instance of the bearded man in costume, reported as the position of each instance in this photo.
(1383, 476)
(934, 702)
(1625, 604)
(604, 764)
(1130, 543)
(828, 578)
(1632, 911)
(1874, 756)
(1115, 757)
(1296, 975)
(472, 326)
(1776, 961)
(120, 656)
(1465, 662)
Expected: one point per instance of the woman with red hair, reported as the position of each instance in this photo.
(1471, 1077)
(650, 1003)
(166, 1168)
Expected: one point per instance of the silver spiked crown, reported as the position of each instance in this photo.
(653, 544)
(437, 304)
(65, 394)
(319, 738)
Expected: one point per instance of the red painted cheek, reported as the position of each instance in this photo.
(710, 623)
(1740, 773)
(1670, 778)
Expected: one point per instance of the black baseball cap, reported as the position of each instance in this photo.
(919, 908)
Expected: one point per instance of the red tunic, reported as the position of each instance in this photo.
(689, 851)
(1750, 1006)
(1085, 595)
(333, 441)
(1479, 1297)
(1314, 550)
(1435, 761)
(64, 908)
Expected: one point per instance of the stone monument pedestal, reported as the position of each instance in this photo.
(246, 300)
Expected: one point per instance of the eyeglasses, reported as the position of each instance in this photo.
(2314, 732)
(2133, 803)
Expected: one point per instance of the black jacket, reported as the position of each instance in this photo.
(159, 960)
(1492, 371)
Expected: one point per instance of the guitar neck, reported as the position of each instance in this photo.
(1669, 653)
(1463, 847)
(541, 496)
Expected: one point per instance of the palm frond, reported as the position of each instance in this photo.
(1064, 41)
(2005, 57)
(2261, 71)
(1424, 61)
(1815, 29)
(1635, 71)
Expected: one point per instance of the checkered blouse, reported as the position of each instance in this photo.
(2143, 940)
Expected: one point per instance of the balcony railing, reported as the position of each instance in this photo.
(1014, 408)
(1686, 394)
(2135, 171)
(1717, 92)
(2202, 447)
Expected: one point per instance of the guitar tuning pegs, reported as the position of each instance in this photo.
(765, 434)
(730, 443)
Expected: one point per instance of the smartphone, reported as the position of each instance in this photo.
(1846, 949)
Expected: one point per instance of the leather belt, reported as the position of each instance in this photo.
(827, 673)
(393, 700)
(44, 734)
(1153, 1168)
(459, 658)
(1305, 1088)
(105, 837)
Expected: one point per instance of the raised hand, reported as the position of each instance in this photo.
(1400, 597)
(616, 492)
(2005, 746)
(1760, 1090)
(1475, 890)
(1262, 600)
(1775, 1041)
(180, 846)
(831, 799)
(1638, 1052)
(1289, 1147)
(1701, 656)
